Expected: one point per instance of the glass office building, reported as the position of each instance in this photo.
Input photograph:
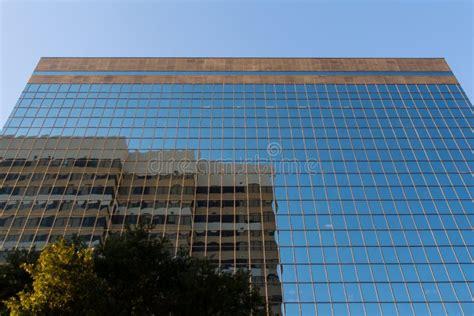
(344, 185)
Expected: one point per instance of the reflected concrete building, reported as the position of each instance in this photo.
(91, 187)
(51, 187)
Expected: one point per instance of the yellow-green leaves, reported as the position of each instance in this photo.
(62, 279)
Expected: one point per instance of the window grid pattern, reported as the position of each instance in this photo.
(371, 185)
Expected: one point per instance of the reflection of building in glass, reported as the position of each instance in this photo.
(370, 160)
(57, 186)
(90, 187)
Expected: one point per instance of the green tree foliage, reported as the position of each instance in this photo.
(131, 274)
(64, 282)
(13, 277)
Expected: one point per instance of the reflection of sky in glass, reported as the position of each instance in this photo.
(372, 183)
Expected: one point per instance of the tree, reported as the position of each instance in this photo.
(64, 283)
(13, 277)
(131, 274)
(144, 277)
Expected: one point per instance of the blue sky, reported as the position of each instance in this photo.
(382, 28)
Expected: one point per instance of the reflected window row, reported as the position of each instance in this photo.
(388, 254)
(393, 292)
(383, 238)
(65, 108)
(207, 121)
(297, 118)
(378, 308)
(123, 100)
(360, 88)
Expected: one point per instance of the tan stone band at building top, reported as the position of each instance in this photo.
(242, 64)
(248, 79)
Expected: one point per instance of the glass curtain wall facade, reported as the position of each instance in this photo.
(344, 185)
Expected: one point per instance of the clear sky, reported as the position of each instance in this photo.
(358, 28)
